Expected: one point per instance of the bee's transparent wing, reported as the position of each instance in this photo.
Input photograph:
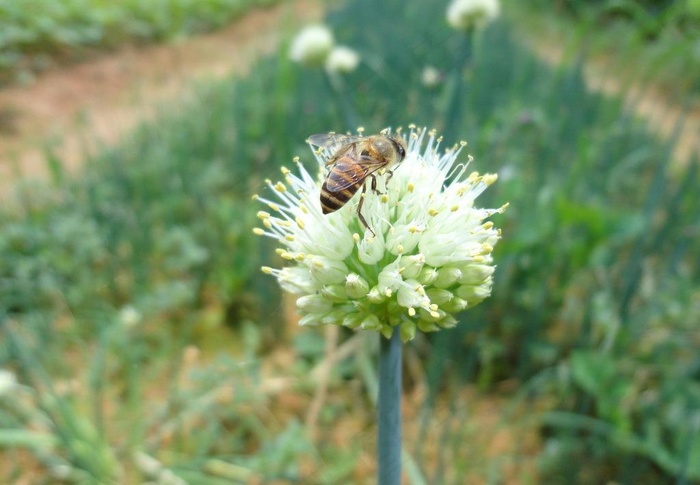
(343, 176)
(333, 141)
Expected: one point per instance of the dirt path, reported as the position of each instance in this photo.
(98, 101)
(647, 101)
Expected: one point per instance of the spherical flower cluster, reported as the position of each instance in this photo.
(467, 14)
(312, 45)
(342, 59)
(430, 258)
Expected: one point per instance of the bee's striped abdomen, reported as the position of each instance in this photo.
(342, 183)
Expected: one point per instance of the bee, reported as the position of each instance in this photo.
(354, 159)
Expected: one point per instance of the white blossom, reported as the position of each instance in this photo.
(342, 59)
(430, 257)
(431, 77)
(8, 382)
(312, 45)
(129, 316)
(468, 14)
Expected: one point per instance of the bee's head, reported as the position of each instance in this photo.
(399, 146)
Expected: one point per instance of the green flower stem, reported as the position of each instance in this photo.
(455, 112)
(342, 98)
(389, 411)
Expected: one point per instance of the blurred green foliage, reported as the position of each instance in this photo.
(594, 309)
(657, 40)
(33, 32)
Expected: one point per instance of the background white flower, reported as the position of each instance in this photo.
(8, 381)
(342, 59)
(129, 316)
(466, 14)
(431, 256)
(431, 77)
(312, 45)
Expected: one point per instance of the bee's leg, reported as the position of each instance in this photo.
(359, 208)
(374, 184)
(389, 174)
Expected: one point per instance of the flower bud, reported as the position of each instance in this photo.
(475, 274)
(356, 286)
(412, 265)
(327, 271)
(313, 304)
(408, 330)
(473, 294)
(447, 277)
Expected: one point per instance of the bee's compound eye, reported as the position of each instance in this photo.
(398, 146)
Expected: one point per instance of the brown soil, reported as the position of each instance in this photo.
(664, 115)
(100, 100)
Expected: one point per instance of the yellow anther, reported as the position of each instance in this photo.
(410, 187)
(432, 212)
(299, 222)
(411, 312)
(266, 270)
(257, 231)
(290, 237)
(280, 187)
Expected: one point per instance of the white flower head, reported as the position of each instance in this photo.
(426, 257)
(312, 45)
(468, 14)
(8, 382)
(129, 316)
(342, 59)
(431, 77)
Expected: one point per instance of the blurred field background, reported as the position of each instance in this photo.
(141, 343)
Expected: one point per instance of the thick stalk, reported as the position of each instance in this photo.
(389, 411)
